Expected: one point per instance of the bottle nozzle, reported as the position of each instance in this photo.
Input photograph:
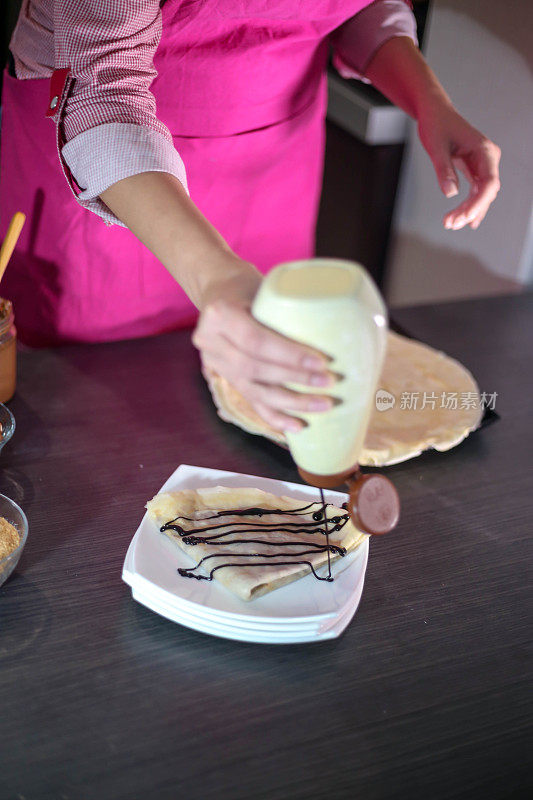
(373, 505)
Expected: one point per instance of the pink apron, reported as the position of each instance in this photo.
(241, 86)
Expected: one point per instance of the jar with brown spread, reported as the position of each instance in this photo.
(8, 351)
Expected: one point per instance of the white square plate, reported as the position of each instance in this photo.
(330, 630)
(306, 605)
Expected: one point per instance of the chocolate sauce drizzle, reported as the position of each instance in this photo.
(215, 533)
(327, 532)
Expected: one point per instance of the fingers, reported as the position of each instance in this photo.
(481, 168)
(240, 373)
(473, 210)
(281, 398)
(251, 337)
(259, 362)
(460, 216)
(446, 174)
(485, 166)
(278, 420)
(235, 364)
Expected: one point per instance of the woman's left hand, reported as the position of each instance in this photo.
(452, 143)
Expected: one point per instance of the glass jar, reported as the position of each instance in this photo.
(8, 351)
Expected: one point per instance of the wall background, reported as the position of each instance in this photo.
(481, 50)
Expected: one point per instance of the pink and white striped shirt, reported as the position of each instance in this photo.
(109, 121)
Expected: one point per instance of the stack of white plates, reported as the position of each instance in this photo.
(307, 610)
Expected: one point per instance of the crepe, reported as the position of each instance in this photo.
(256, 574)
(397, 433)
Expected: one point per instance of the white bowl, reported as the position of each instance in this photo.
(7, 421)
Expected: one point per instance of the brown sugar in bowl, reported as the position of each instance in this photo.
(13, 517)
(9, 538)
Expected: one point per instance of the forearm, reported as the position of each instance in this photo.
(400, 72)
(156, 208)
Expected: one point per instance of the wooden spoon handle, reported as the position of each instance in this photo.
(10, 240)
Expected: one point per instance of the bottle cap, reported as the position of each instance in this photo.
(374, 505)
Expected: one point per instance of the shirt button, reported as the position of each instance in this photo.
(54, 101)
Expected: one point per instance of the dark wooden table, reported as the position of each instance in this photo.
(424, 696)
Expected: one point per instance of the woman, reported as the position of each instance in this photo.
(219, 98)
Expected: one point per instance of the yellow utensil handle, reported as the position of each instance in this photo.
(10, 240)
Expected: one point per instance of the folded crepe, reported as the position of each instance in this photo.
(252, 541)
(451, 411)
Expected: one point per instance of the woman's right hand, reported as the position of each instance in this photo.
(258, 361)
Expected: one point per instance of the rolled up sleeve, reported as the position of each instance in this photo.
(355, 42)
(109, 127)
